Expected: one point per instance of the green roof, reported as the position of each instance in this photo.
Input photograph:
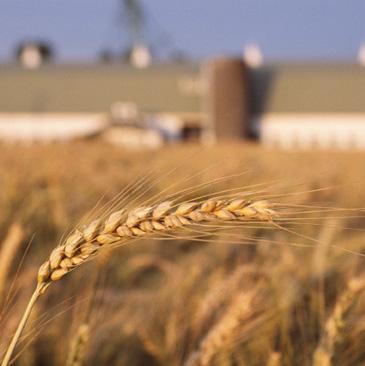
(308, 88)
(93, 88)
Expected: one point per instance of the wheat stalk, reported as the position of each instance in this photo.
(274, 359)
(336, 322)
(78, 346)
(218, 337)
(121, 226)
(8, 251)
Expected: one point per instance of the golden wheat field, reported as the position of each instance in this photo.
(227, 255)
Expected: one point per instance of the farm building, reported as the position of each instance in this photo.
(289, 106)
(306, 106)
(61, 102)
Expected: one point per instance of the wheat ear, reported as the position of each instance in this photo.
(218, 337)
(274, 359)
(78, 346)
(335, 323)
(121, 226)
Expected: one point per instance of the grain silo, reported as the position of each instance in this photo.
(226, 98)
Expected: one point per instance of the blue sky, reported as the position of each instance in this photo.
(285, 29)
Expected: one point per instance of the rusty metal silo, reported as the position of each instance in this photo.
(226, 99)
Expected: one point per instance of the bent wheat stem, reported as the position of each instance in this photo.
(23, 321)
(121, 226)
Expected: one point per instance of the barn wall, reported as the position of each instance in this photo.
(298, 131)
(49, 126)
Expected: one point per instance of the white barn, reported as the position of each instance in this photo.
(56, 102)
(309, 106)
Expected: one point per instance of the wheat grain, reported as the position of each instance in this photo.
(121, 227)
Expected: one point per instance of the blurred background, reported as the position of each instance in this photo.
(97, 97)
(143, 74)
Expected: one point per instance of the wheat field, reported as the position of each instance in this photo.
(229, 255)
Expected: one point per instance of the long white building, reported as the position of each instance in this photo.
(56, 102)
(309, 106)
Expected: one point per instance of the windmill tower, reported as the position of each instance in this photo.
(133, 16)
